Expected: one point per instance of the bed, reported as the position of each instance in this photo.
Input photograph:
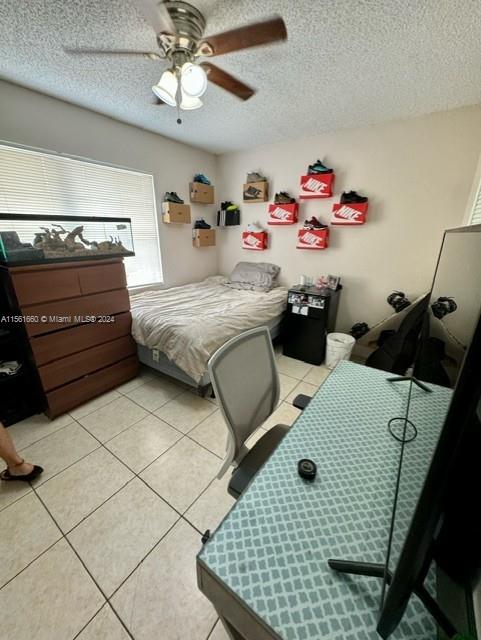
(178, 329)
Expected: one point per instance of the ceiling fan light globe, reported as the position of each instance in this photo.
(189, 103)
(193, 80)
(166, 88)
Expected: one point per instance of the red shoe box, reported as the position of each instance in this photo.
(313, 239)
(254, 241)
(349, 214)
(316, 185)
(280, 214)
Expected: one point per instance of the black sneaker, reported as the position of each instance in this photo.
(283, 198)
(318, 167)
(171, 196)
(225, 205)
(253, 176)
(251, 193)
(351, 197)
(200, 223)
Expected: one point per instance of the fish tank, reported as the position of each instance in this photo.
(36, 239)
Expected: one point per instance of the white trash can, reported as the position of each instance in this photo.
(339, 347)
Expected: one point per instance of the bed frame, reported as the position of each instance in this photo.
(157, 360)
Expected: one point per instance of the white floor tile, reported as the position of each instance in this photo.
(162, 594)
(303, 387)
(292, 367)
(52, 598)
(284, 414)
(105, 626)
(108, 421)
(211, 507)
(185, 411)
(92, 405)
(219, 632)
(317, 375)
(73, 494)
(142, 443)
(212, 434)
(35, 428)
(154, 393)
(115, 538)
(287, 384)
(12, 491)
(59, 450)
(144, 376)
(182, 473)
(26, 530)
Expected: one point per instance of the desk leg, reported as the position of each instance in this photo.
(231, 632)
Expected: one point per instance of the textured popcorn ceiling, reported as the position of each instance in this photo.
(347, 63)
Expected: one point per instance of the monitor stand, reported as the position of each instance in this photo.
(373, 570)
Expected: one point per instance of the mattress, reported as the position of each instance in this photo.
(189, 323)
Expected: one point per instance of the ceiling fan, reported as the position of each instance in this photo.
(179, 29)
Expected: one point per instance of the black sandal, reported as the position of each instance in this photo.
(6, 476)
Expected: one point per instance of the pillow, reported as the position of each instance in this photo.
(256, 276)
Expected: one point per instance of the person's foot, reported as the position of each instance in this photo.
(22, 471)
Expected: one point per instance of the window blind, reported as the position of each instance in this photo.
(34, 182)
(476, 212)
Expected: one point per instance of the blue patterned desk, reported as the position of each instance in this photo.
(265, 568)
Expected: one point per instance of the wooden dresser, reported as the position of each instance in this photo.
(77, 323)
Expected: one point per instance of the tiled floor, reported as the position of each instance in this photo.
(103, 546)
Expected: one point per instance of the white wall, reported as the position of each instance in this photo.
(417, 173)
(33, 119)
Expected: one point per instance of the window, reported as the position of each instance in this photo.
(35, 182)
(475, 217)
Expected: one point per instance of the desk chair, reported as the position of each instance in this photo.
(244, 376)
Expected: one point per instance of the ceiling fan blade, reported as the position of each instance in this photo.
(152, 55)
(157, 15)
(226, 81)
(253, 35)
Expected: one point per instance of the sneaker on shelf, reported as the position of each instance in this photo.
(314, 223)
(171, 196)
(283, 198)
(224, 205)
(200, 177)
(318, 167)
(232, 207)
(200, 223)
(253, 176)
(251, 193)
(253, 227)
(352, 197)
(10, 367)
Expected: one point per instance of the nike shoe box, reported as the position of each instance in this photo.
(203, 237)
(173, 213)
(280, 214)
(349, 214)
(316, 185)
(313, 239)
(256, 192)
(201, 193)
(254, 241)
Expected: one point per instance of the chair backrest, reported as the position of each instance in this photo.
(244, 376)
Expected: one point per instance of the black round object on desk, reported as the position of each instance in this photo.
(307, 469)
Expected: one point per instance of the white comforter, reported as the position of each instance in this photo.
(189, 323)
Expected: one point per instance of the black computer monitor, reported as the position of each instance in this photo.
(445, 528)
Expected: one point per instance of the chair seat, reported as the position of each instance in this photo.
(253, 461)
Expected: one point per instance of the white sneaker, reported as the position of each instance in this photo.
(254, 228)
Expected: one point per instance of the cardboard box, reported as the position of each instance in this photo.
(349, 214)
(254, 241)
(256, 192)
(281, 214)
(316, 185)
(313, 239)
(173, 213)
(203, 237)
(201, 193)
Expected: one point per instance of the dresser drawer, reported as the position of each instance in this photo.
(64, 313)
(76, 393)
(63, 343)
(32, 287)
(76, 366)
(102, 278)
